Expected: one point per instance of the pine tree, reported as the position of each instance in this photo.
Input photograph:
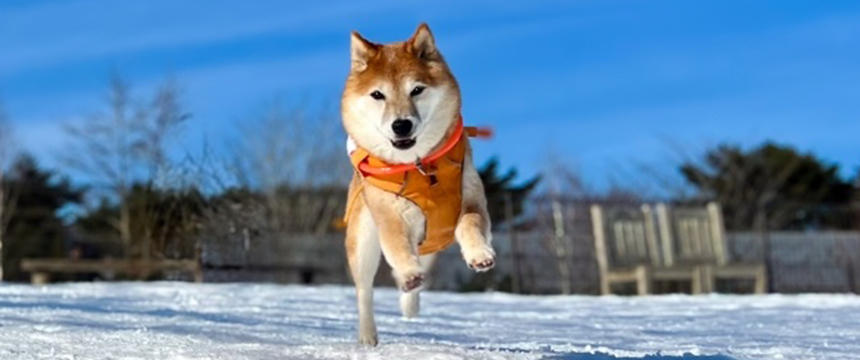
(35, 228)
(503, 196)
(771, 187)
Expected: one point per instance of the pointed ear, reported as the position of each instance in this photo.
(422, 43)
(360, 51)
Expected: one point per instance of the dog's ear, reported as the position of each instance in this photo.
(422, 43)
(360, 51)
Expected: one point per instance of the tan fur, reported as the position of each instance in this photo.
(382, 222)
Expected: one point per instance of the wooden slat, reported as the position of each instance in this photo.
(94, 266)
(676, 273)
(750, 271)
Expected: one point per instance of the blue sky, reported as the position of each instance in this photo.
(604, 86)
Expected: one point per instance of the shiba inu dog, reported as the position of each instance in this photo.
(415, 189)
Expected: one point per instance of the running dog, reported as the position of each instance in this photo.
(415, 189)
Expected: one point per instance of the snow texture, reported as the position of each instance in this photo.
(168, 320)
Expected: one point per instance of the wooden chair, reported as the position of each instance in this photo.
(627, 250)
(695, 236)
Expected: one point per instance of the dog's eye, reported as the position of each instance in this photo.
(377, 95)
(417, 91)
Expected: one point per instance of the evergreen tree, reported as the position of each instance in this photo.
(163, 223)
(772, 187)
(35, 230)
(502, 193)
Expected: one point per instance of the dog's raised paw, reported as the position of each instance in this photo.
(412, 282)
(483, 265)
(480, 260)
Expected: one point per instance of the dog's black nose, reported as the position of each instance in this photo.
(401, 127)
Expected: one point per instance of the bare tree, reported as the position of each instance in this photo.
(125, 145)
(297, 158)
(281, 188)
(165, 116)
(564, 185)
(103, 148)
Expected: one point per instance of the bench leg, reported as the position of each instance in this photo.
(643, 281)
(705, 277)
(198, 275)
(39, 278)
(761, 280)
(605, 285)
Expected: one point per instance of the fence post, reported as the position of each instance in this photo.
(600, 249)
(560, 250)
(514, 242)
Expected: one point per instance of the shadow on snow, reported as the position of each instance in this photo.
(600, 356)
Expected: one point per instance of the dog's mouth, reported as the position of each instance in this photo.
(403, 144)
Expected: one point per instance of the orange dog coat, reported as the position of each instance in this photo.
(434, 186)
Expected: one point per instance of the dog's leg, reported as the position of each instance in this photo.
(410, 301)
(396, 237)
(362, 246)
(401, 255)
(473, 230)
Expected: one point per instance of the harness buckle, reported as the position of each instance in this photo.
(423, 170)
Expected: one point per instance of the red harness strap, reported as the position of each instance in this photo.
(470, 131)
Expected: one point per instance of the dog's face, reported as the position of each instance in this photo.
(400, 99)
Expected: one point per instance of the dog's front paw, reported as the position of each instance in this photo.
(367, 330)
(368, 339)
(411, 281)
(481, 258)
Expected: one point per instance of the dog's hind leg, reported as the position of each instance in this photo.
(363, 252)
(410, 301)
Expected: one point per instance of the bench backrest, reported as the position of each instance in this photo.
(692, 235)
(624, 236)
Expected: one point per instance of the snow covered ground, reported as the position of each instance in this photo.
(252, 321)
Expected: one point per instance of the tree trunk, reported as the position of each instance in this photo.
(125, 225)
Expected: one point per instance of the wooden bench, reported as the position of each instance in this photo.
(686, 244)
(41, 269)
(695, 235)
(627, 247)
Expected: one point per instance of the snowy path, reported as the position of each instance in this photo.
(252, 321)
